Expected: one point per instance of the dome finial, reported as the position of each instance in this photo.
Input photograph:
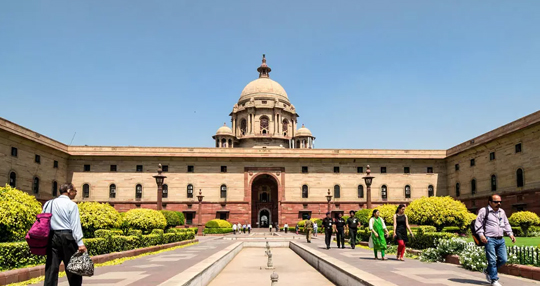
(264, 69)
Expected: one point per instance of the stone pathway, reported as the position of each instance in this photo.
(153, 269)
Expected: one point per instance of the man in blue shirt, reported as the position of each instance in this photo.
(66, 235)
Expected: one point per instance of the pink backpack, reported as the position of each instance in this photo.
(38, 235)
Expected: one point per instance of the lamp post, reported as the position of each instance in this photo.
(159, 181)
(328, 199)
(200, 198)
(369, 179)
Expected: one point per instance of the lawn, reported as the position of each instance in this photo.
(520, 241)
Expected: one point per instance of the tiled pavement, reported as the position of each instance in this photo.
(153, 269)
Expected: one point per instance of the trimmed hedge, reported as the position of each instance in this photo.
(16, 255)
(96, 216)
(172, 218)
(218, 230)
(425, 228)
(145, 219)
(218, 223)
(18, 212)
(181, 217)
(428, 239)
(363, 216)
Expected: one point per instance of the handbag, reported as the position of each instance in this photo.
(81, 264)
(38, 235)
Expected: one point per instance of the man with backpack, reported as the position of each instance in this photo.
(65, 237)
(490, 225)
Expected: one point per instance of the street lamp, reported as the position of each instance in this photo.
(369, 179)
(328, 199)
(200, 198)
(159, 181)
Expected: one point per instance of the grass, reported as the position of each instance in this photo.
(520, 241)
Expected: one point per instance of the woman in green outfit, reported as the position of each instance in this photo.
(378, 230)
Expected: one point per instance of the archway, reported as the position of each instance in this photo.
(264, 200)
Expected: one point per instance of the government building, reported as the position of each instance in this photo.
(264, 169)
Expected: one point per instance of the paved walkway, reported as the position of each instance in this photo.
(153, 269)
(411, 272)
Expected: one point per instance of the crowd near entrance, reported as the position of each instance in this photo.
(264, 201)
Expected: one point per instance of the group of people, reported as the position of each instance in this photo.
(241, 228)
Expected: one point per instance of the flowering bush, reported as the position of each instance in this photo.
(524, 219)
(438, 212)
(430, 255)
(18, 212)
(526, 255)
(473, 257)
(96, 216)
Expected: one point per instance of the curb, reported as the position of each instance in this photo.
(23, 274)
(525, 271)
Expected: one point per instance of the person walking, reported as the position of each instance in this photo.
(491, 224)
(309, 229)
(378, 230)
(286, 227)
(315, 229)
(401, 225)
(328, 228)
(65, 237)
(249, 228)
(244, 228)
(340, 235)
(239, 227)
(297, 228)
(234, 228)
(270, 227)
(352, 228)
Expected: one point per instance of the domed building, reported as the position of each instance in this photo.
(264, 117)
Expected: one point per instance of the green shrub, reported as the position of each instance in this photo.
(217, 230)
(438, 212)
(18, 212)
(517, 231)
(525, 220)
(157, 231)
(429, 239)
(191, 234)
(217, 223)
(134, 232)
(17, 255)
(123, 243)
(96, 216)
(103, 233)
(451, 229)
(387, 213)
(172, 218)
(97, 246)
(363, 216)
(181, 217)
(421, 229)
(145, 219)
(151, 240)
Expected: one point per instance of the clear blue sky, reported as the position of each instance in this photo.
(362, 74)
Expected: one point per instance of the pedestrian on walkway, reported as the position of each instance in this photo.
(286, 227)
(378, 230)
(244, 227)
(239, 227)
(491, 224)
(297, 228)
(352, 228)
(309, 228)
(270, 227)
(249, 228)
(65, 237)
(328, 229)
(401, 225)
(234, 228)
(340, 227)
(315, 229)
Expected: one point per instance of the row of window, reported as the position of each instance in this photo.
(37, 158)
(491, 157)
(493, 182)
(35, 184)
(165, 191)
(384, 191)
(406, 170)
(139, 168)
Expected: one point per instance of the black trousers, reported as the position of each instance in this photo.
(340, 237)
(327, 237)
(352, 234)
(61, 247)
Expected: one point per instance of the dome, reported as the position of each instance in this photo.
(224, 130)
(303, 131)
(263, 86)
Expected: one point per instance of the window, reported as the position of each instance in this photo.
(264, 102)
(384, 192)
(54, 188)
(519, 178)
(456, 166)
(473, 162)
(223, 169)
(430, 170)
(304, 169)
(112, 191)
(264, 125)
(223, 193)
(430, 191)
(13, 179)
(243, 127)
(360, 191)
(493, 183)
(518, 148)
(87, 168)
(304, 191)
(285, 126)
(407, 170)
(37, 159)
(492, 156)
(359, 170)
(336, 169)
(337, 192)
(165, 168)
(113, 168)
(458, 192)
(86, 191)
(35, 185)
(139, 168)
(189, 218)
(13, 151)
(407, 192)
(190, 191)
(55, 164)
(383, 170)
(138, 191)
(473, 186)
(165, 191)
(191, 169)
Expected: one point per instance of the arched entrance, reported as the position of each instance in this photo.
(264, 201)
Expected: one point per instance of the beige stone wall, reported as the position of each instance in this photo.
(26, 168)
(504, 166)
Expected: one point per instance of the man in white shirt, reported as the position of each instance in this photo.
(249, 227)
(66, 235)
(234, 228)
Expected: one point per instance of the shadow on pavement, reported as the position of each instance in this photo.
(467, 281)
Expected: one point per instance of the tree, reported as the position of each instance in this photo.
(96, 216)
(438, 212)
(525, 220)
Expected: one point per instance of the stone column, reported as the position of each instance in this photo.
(234, 124)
